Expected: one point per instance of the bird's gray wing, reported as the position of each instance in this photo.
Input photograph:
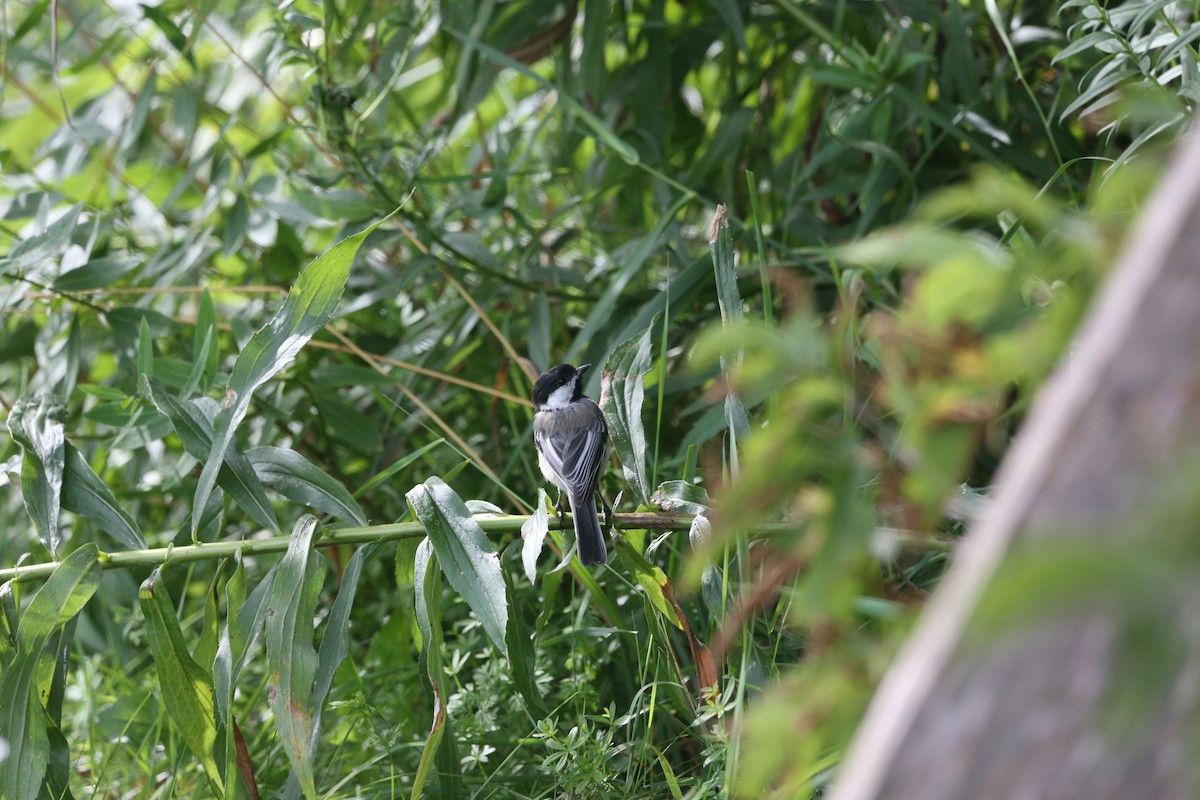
(577, 456)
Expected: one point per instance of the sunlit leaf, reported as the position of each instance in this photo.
(36, 425)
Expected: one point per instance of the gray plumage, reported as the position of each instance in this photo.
(572, 443)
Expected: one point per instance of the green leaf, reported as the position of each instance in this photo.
(96, 274)
(309, 305)
(245, 621)
(720, 244)
(622, 391)
(236, 475)
(683, 496)
(237, 221)
(199, 365)
(429, 620)
(22, 717)
(293, 476)
(291, 657)
(397, 466)
(141, 111)
(187, 687)
(83, 493)
(604, 133)
(145, 351)
(521, 656)
(464, 552)
(206, 330)
(9, 619)
(42, 248)
(170, 30)
(334, 646)
(35, 424)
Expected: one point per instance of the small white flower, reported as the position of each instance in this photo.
(478, 755)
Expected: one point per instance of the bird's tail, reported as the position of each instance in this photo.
(587, 532)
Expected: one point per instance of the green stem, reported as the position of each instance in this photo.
(332, 537)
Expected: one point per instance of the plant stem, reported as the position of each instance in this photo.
(332, 537)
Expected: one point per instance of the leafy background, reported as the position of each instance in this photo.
(921, 198)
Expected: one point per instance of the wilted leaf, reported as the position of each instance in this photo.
(533, 534)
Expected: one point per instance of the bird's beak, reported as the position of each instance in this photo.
(582, 369)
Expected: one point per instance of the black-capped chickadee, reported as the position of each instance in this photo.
(572, 443)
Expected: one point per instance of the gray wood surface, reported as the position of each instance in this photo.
(1021, 716)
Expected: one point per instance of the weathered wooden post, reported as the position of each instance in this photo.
(1019, 717)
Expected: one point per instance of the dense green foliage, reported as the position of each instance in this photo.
(922, 197)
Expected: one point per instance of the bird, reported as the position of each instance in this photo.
(571, 438)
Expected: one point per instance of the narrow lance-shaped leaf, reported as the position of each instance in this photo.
(720, 243)
(187, 687)
(83, 493)
(464, 553)
(293, 476)
(429, 620)
(145, 351)
(245, 616)
(621, 395)
(36, 425)
(291, 657)
(521, 658)
(236, 476)
(334, 647)
(309, 305)
(22, 717)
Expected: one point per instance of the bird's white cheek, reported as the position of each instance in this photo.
(561, 397)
